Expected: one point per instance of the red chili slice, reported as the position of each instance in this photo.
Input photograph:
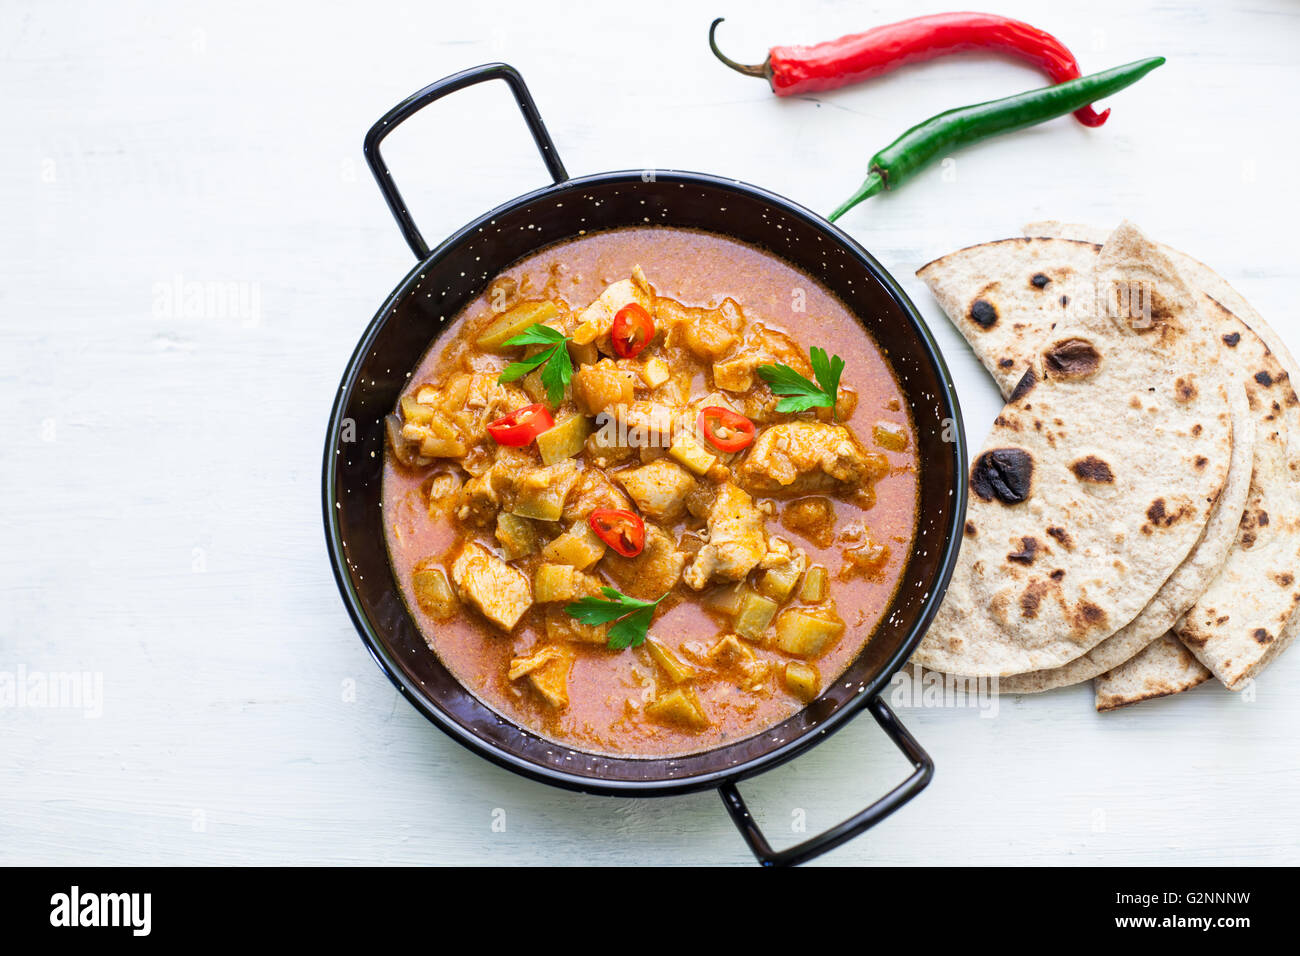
(522, 426)
(632, 331)
(724, 429)
(622, 530)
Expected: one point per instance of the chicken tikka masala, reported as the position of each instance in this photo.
(651, 492)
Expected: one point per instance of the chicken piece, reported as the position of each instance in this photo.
(599, 387)
(736, 539)
(593, 490)
(598, 318)
(436, 438)
(730, 651)
(562, 627)
(707, 333)
(659, 488)
(762, 346)
(812, 517)
(470, 400)
(867, 559)
(604, 447)
(655, 570)
(643, 425)
(523, 666)
(800, 458)
(483, 495)
(501, 593)
(405, 450)
(548, 671)
(443, 493)
(734, 655)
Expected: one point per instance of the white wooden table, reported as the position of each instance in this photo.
(158, 483)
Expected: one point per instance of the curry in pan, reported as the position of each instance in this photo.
(651, 492)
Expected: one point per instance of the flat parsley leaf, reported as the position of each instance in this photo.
(556, 366)
(827, 370)
(556, 374)
(799, 394)
(519, 369)
(632, 616)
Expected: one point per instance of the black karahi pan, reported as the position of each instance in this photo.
(449, 276)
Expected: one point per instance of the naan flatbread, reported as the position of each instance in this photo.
(1102, 471)
(1182, 588)
(1164, 667)
(1251, 611)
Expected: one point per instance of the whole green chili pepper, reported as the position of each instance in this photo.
(902, 158)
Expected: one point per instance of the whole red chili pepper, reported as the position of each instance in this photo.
(860, 56)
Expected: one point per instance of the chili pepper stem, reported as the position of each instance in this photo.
(874, 183)
(762, 70)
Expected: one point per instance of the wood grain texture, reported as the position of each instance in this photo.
(158, 487)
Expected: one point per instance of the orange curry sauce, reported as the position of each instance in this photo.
(607, 689)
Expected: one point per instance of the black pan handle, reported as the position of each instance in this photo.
(922, 771)
(434, 91)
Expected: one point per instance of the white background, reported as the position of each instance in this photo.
(159, 517)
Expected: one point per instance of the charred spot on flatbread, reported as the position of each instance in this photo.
(1039, 280)
(1253, 520)
(1006, 363)
(1262, 636)
(1092, 469)
(1184, 389)
(1061, 536)
(1163, 317)
(970, 529)
(1032, 597)
(1085, 616)
(1071, 359)
(1003, 473)
(1028, 551)
(1024, 386)
(983, 313)
(1160, 515)
(1230, 339)
(1264, 378)
(1283, 578)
